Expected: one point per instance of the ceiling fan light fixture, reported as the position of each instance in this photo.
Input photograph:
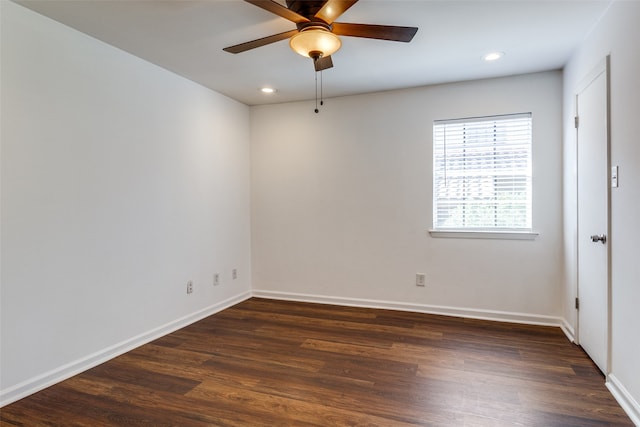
(315, 41)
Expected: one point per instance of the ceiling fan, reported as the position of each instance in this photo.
(316, 35)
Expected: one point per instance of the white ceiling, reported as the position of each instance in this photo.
(187, 38)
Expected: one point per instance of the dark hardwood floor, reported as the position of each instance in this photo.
(276, 363)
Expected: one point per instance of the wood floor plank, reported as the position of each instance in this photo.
(291, 411)
(368, 328)
(281, 363)
(141, 406)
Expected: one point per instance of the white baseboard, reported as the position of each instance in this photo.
(501, 316)
(568, 330)
(64, 372)
(624, 398)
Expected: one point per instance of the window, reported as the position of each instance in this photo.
(482, 174)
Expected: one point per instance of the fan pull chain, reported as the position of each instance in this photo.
(316, 110)
(321, 90)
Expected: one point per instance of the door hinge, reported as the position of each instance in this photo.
(577, 303)
(576, 121)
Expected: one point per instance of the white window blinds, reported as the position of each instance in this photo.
(482, 173)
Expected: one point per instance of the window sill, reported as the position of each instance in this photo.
(500, 235)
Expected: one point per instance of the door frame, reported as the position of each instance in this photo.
(602, 67)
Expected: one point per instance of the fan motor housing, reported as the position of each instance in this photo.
(306, 8)
(317, 24)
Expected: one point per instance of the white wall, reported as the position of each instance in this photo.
(120, 182)
(341, 202)
(617, 34)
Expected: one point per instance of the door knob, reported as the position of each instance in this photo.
(601, 238)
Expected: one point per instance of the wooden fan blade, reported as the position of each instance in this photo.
(323, 63)
(332, 9)
(278, 9)
(381, 32)
(242, 47)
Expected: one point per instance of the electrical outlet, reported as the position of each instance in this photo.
(189, 287)
(216, 279)
(234, 274)
(421, 279)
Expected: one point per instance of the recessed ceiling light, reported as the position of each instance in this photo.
(493, 56)
(267, 90)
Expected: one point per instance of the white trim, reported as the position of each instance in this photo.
(64, 372)
(476, 119)
(568, 331)
(595, 72)
(624, 398)
(501, 316)
(503, 235)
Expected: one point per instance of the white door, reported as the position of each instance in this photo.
(593, 216)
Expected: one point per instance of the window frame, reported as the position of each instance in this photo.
(511, 233)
